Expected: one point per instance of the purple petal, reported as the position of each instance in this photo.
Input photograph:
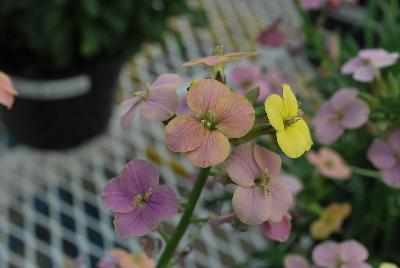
(343, 98)
(161, 104)
(241, 166)
(252, 205)
(132, 223)
(162, 205)
(392, 176)
(356, 114)
(296, 261)
(352, 251)
(379, 58)
(278, 231)
(137, 177)
(244, 78)
(356, 265)
(381, 155)
(267, 161)
(166, 81)
(352, 65)
(281, 199)
(364, 73)
(311, 4)
(114, 198)
(326, 253)
(394, 140)
(295, 185)
(133, 104)
(271, 36)
(328, 129)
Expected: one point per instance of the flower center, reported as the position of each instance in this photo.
(142, 199)
(366, 62)
(329, 163)
(291, 120)
(263, 182)
(246, 83)
(208, 120)
(144, 94)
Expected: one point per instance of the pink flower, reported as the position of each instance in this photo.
(329, 163)
(261, 195)
(7, 91)
(157, 102)
(216, 59)
(272, 36)
(385, 156)
(278, 231)
(368, 62)
(348, 254)
(138, 201)
(312, 4)
(124, 259)
(296, 261)
(343, 111)
(295, 185)
(218, 115)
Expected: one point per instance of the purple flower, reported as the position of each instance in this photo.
(343, 111)
(348, 254)
(272, 36)
(386, 157)
(368, 62)
(312, 4)
(157, 102)
(138, 201)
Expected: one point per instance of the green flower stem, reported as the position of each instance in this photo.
(256, 131)
(185, 220)
(260, 111)
(366, 172)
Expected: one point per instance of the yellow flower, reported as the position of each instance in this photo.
(388, 265)
(292, 131)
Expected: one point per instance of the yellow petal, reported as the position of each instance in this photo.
(294, 140)
(290, 101)
(275, 111)
(388, 265)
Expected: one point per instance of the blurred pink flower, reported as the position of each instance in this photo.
(261, 195)
(124, 259)
(312, 4)
(228, 218)
(272, 36)
(278, 231)
(343, 111)
(216, 59)
(385, 156)
(329, 163)
(7, 91)
(218, 115)
(138, 201)
(296, 261)
(157, 102)
(347, 254)
(368, 62)
(295, 185)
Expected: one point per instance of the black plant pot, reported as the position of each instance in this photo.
(63, 112)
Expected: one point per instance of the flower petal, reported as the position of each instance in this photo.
(6, 84)
(356, 265)
(381, 155)
(204, 95)
(392, 176)
(184, 133)
(281, 199)
(295, 139)
(131, 224)
(278, 231)
(213, 151)
(328, 128)
(137, 177)
(356, 114)
(342, 98)
(241, 166)
(115, 199)
(133, 104)
(276, 111)
(326, 253)
(290, 101)
(394, 140)
(166, 81)
(352, 251)
(296, 261)
(6, 99)
(364, 73)
(209, 60)
(242, 54)
(234, 114)
(161, 104)
(252, 205)
(162, 205)
(267, 161)
(352, 65)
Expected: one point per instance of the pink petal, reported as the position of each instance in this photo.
(311, 4)
(296, 261)
(161, 104)
(204, 95)
(248, 73)
(392, 176)
(137, 177)
(115, 199)
(234, 115)
(209, 60)
(295, 185)
(394, 140)
(352, 251)
(356, 265)
(167, 81)
(278, 231)
(326, 253)
(213, 151)
(381, 155)
(133, 104)
(132, 223)
(328, 131)
(314, 158)
(356, 114)
(332, 165)
(162, 205)
(267, 161)
(281, 199)
(352, 65)
(342, 98)
(271, 36)
(241, 166)
(364, 73)
(184, 133)
(252, 205)
(379, 57)
(6, 84)
(6, 99)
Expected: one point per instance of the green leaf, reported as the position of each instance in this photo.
(252, 95)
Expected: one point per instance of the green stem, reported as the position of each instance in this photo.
(366, 172)
(183, 224)
(256, 131)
